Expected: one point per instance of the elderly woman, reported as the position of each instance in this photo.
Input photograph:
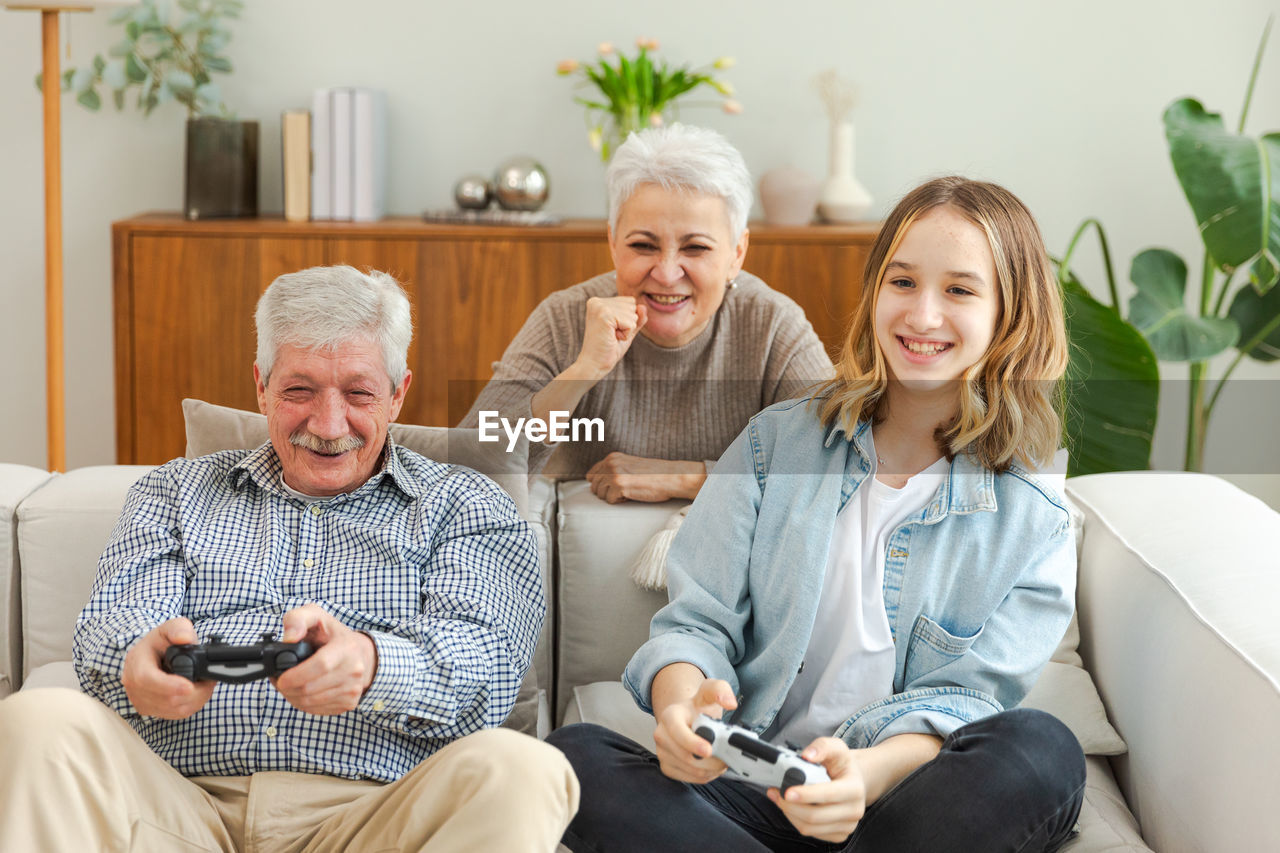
(677, 347)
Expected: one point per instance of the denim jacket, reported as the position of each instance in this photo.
(978, 586)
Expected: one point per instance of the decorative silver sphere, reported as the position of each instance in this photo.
(521, 184)
(472, 192)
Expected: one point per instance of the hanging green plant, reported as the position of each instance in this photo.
(170, 52)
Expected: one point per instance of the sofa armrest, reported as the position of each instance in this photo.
(16, 483)
(1179, 584)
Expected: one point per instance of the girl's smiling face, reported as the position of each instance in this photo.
(939, 301)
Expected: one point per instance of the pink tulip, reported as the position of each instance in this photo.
(732, 107)
(567, 66)
(605, 48)
(647, 43)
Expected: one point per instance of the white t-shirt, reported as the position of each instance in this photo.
(850, 659)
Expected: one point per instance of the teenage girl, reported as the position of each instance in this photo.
(876, 575)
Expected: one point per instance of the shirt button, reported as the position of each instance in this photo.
(378, 704)
(308, 562)
(271, 731)
(315, 509)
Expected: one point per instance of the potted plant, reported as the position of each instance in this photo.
(1232, 183)
(170, 52)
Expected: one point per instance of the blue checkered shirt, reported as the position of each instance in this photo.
(431, 560)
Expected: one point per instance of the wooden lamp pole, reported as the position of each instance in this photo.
(54, 353)
(53, 328)
(55, 395)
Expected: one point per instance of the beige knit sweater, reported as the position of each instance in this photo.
(686, 402)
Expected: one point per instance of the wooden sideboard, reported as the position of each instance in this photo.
(185, 294)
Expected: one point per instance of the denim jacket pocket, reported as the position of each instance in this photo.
(931, 646)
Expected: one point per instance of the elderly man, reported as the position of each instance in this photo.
(416, 583)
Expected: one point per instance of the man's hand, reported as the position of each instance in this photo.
(336, 675)
(154, 692)
(612, 324)
(682, 755)
(828, 811)
(621, 477)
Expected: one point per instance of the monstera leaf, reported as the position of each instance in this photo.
(1259, 319)
(1233, 185)
(1159, 310)
(1113, 386)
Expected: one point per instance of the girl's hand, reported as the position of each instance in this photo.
(683, 755)
(829, 811)
(612, 324)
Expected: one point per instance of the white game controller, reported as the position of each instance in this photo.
(755, 761)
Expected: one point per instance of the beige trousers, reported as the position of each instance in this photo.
(75, 777)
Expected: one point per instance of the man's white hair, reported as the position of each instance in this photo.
(324, 307)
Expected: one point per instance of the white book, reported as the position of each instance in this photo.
(321, 157)
(340, 143)
(369, 155)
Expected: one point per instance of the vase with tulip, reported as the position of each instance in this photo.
(629, 94)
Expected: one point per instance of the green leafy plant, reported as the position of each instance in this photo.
(169, 53)
(1232, 182)
(637, 93)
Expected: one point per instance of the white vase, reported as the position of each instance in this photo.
(843, 199)
(789, 196)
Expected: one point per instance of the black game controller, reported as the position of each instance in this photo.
(218, 661)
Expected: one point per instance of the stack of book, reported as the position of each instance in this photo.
(346, 140)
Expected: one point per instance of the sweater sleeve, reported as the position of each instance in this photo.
(797, 359)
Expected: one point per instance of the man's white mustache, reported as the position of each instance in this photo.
(326, 446)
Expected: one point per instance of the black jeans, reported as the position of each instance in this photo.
(1010, 782)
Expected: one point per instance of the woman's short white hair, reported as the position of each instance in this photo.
(678, 156)
(325, 307)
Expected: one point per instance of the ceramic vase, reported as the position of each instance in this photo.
(843, 199)
(221, 168)
(789, 196)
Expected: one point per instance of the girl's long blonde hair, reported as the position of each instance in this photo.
(1011, 399)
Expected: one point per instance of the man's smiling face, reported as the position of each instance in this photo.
(327, 413)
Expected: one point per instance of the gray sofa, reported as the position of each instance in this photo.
(1178, 594)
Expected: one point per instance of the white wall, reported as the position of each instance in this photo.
(1060, 102)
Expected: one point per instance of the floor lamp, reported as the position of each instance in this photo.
(54, 362)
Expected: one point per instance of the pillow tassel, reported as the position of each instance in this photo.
(649, 571)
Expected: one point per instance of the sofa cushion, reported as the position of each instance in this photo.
(57, 674)
(62, 529)
(602, 616)
(16, 482)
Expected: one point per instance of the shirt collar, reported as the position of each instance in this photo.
(263, 468)
(970, 487)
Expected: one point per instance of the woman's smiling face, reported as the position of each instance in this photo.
(939, 301)
(674, 254)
